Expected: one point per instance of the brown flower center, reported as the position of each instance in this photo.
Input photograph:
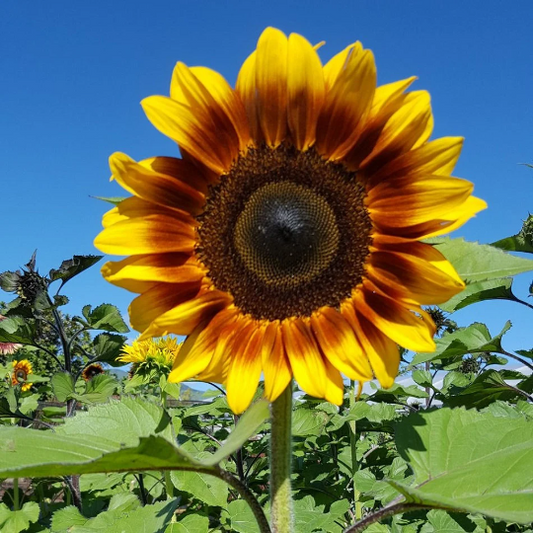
(285, 232)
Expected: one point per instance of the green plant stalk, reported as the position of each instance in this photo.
(353, 451)
(16, 502)
(280, 463)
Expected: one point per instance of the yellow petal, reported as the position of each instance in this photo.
(247, 90)
(334, 66)
(245, 371)
(184, 317)
(276, 369)
(304, 356)
(334, 392)
(408, 127)
(228, 100)
(411, 331)
(197, 351)
(407, 201)
(306, 90)
(166, 268)
(146, 235)
(192, 131)
(271, 85)
(382, 352)
(144, 309)
(153, 186)
(339, 344)
(414, 272)
(346, 104)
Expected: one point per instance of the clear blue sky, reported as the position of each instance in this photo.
(73, 73)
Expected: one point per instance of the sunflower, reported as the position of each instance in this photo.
(286, 239)
(92, 370)
(21, 370)
(147, 355)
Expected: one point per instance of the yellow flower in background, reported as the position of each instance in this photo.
(286, 240)
(146, 352)
(21, 371)
(92, 370)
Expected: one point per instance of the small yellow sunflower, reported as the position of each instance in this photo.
(92, 370)
(160, 352)
(21, 370)
(286, 240)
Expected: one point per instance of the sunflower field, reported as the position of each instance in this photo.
(295, 259)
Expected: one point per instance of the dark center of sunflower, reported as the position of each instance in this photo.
(21, 375)
(285, 233)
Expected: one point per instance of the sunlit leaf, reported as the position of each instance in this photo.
(192, 523)
(479, 262)
(17, 329)
(17, 521)
(106, 317)
(208, 489)
(492, 289)
(469, 461)
(63, 386)
(472, 339)
(72, 267)
(107, 347)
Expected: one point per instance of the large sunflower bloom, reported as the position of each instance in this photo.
(285, 241)
(21, 370)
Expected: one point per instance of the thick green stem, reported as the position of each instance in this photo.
(16, 502)
(353, 450)
(280, 464)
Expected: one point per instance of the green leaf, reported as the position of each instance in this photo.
(63, 386)
(492, 289)
(115, 200)
(98, 389)
(241, 518)
(422, 378)
(522, 241)
(192, 523)
(479, 262)
(16, 329)
(472, 339)
(16, 521)
(107, 347)
(72, 267)
(106, 317)
(469, 461)
(307, 422)
(9, 281)
(68, 517)
(208, 489)
(147, 519)
(486, 388)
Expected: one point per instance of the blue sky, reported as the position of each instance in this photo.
(73, 74)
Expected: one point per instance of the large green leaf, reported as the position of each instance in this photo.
(192, 523)
(17, 521)
(147, 519)
(491, 289)
(107, 347)
(105, 317)
(63, 386)
(98, 389)
(72, 267)
(472, 339)
(479, 262)
(17, 329)
(469, 461)
(208, 489)
(522, 241)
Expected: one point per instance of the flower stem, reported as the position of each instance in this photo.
(16, 503)
(353, 450)
(168, 485)
(280, 464)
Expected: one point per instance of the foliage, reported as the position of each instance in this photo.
(447, 448)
